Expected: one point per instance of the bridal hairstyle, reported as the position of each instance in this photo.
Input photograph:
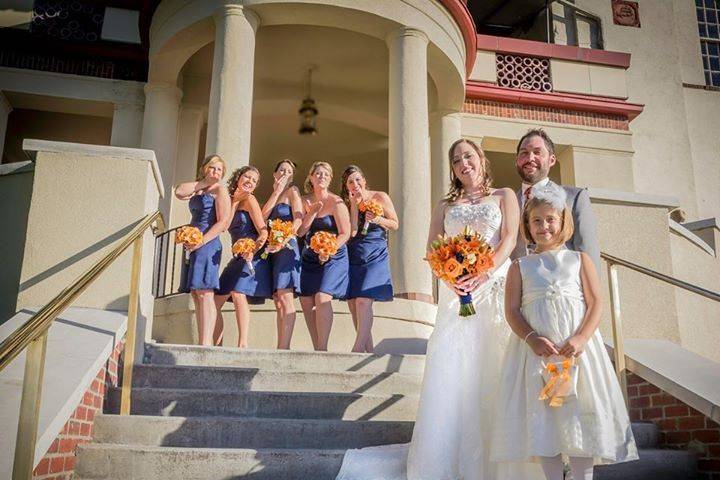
(456, 188)
(207, 161)
(235, 177)
(344, 192)
(568, 226)
(307, 186)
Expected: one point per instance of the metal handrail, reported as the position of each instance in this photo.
(661, 276)
(617, 330)
(33, 335)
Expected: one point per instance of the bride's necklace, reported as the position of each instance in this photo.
(474, 197)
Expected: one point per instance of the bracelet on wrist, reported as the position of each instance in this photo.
(528, 335)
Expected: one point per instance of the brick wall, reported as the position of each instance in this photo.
(681, 427)
(545, 114)
(59, 461)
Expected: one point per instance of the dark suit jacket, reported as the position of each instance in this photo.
(585, 237)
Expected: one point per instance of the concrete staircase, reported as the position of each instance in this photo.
(222, 413)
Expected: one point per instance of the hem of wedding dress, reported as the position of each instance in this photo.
(598, 459)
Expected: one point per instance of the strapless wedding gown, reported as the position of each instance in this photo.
(451, 439)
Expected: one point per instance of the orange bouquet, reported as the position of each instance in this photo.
(243, 246)
(189, 235)
(373, 207)
(324, 244)
(465, 253)
(280, 232)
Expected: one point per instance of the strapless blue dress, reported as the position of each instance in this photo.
(236, 276)
(286, 262)
(204, 263)
(330, 277)
(369, 264)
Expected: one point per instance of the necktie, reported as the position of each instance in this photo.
(527, 194)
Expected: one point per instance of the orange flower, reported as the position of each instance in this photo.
(280, 231)
(243, 246)
(371, 206)
(324, 244)
(452, 268)
(189, 235)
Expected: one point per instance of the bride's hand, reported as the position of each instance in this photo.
(470, 282)
(452, 286)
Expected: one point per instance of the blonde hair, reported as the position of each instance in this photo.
(566, 231)
(307, 186)
(456, 188)
(207, 161)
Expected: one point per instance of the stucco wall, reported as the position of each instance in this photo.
(640, 235)
(661, 52)
(703, 120)
(699, 317)
(81, 205)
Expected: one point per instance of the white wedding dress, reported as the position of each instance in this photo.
(451, 439)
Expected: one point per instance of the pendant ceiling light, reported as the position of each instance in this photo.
(308, 111)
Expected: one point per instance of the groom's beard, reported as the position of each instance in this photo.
(532, 179)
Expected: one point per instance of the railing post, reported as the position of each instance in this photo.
(30, 409)
(131, 327)
(617, 329)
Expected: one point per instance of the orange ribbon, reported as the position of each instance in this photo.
(557, 380)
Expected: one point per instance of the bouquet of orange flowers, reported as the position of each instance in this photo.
(324, 244)
(465, 253)
(189, 235)
(370, 206)
(280, 232)
(243, 246)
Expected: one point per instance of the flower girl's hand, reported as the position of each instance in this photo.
(542, 346)
(573, 347)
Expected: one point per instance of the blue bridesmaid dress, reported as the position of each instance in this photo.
(369, 264)
(330, 277)
(237, 277)
(286, 262)
(204, 263)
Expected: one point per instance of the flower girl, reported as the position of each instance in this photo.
(558, 393)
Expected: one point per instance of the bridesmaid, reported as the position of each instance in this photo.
(236, 280)
(285, 203)
(368, 254)
(321, 282)
(210, 208)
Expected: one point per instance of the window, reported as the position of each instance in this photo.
(709, 26)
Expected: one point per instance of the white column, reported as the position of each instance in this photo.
(188, 146)
(445, 128)
(409, 162)
(127, 125)
(231, 90)
(5, 109)
(160, 122)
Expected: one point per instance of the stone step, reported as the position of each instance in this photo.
(654, 464)
(646, 434)
(109, 462)
(250, 379)
(281, 360)
(253, 433)
(134, 462)
(300, 405)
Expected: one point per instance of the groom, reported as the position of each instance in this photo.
(535, 156)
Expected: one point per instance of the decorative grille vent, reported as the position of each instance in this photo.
(524, 73)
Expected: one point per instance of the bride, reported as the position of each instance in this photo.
(451, 439)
